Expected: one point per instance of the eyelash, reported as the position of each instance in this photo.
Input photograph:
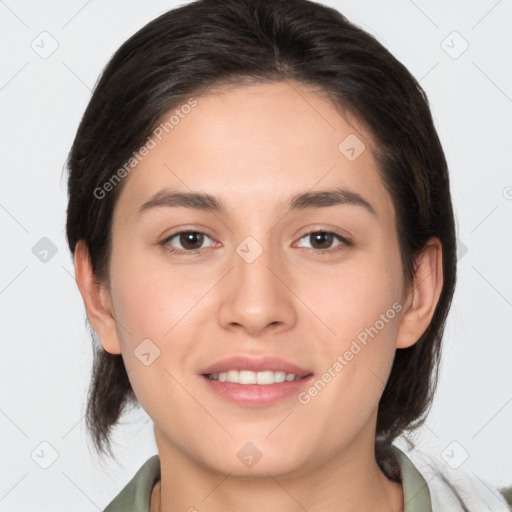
(345, 242)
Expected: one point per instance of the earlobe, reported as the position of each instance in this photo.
(96, 300)
(423, 296)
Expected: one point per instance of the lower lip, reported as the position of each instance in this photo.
(256, 395)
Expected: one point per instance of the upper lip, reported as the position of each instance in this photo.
(255, 364)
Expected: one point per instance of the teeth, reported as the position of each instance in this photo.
(247, 377)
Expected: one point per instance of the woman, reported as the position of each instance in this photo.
(261, 221)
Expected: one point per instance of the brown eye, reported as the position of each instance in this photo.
(185, 242)
(322, 241)
(191, 240)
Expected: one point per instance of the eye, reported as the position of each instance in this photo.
(321, 241)
(191, 242)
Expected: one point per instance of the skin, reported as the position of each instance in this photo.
(255, 146)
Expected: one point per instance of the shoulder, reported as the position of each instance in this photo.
(135, 496)
(454, 490)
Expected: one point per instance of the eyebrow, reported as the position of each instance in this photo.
(207, 202)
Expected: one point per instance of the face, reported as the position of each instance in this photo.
(261, 278)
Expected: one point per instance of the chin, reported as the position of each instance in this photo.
(252, 460)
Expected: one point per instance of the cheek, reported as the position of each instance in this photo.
(141, 311)
(361, 305)
(158, 309)
(153, 348)
(356, 296)
(152, 298)
(357, 359)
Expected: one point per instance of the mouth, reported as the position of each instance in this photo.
(255, 381)
(247, 377)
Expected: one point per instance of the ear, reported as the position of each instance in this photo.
(96, 299)
(423, 295)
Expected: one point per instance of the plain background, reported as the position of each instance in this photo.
(46, 359)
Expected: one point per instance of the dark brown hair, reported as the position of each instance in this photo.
(207, 43)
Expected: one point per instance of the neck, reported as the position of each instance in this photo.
(347, 482)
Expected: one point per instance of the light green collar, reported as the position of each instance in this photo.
(416, 493)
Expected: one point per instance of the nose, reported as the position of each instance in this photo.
(257, 296)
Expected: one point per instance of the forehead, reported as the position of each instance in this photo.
(256, 146)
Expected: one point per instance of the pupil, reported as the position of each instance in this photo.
(323, 237)
(191, 238)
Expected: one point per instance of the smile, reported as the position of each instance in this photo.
(262, 378)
